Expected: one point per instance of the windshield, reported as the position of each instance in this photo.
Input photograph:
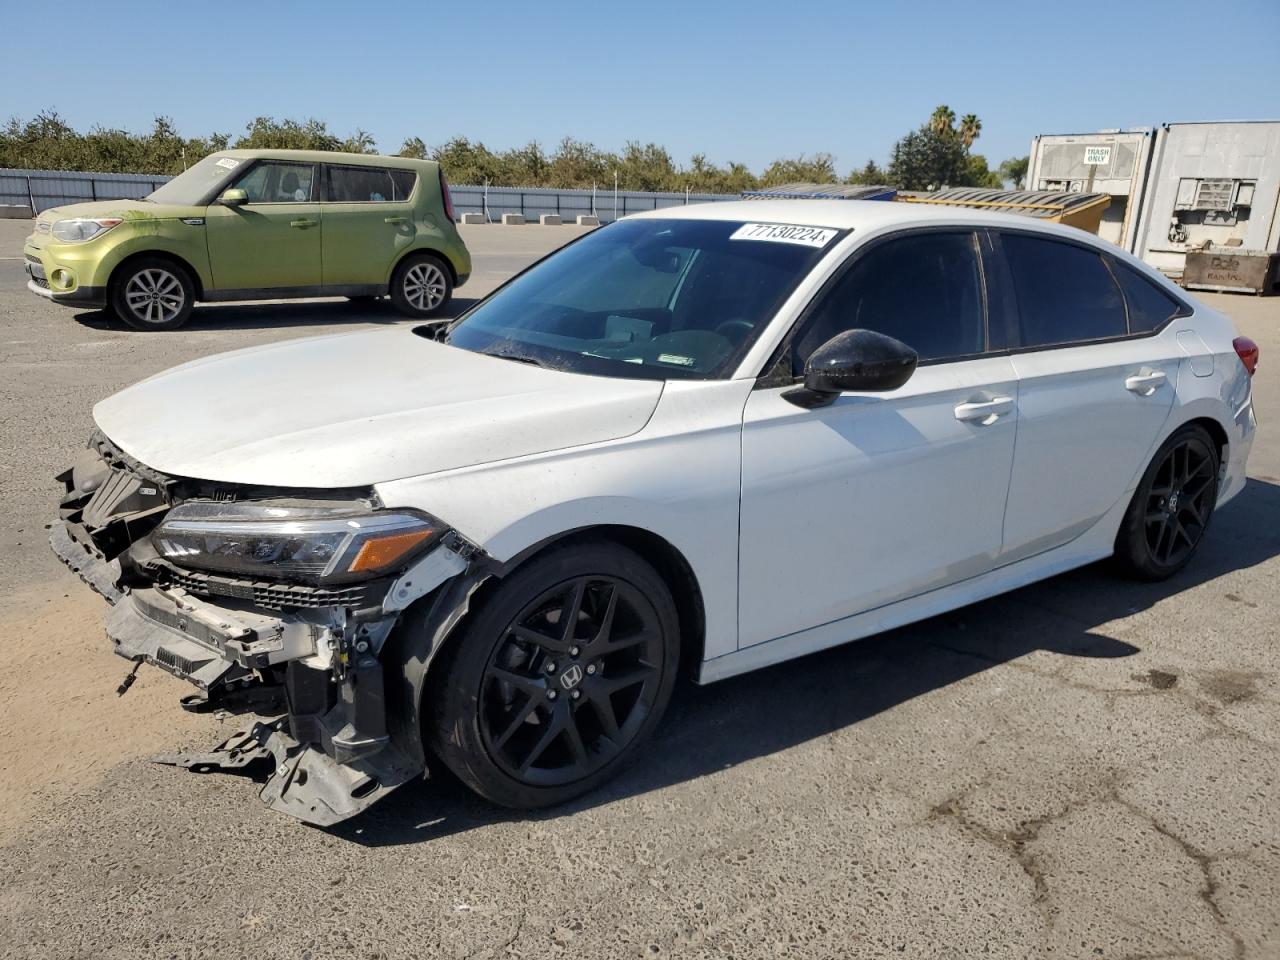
(196, 184)
(651, 299)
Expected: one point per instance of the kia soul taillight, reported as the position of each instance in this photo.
(448, 200)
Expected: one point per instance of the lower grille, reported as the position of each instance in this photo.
(272, 596)
(41, 282)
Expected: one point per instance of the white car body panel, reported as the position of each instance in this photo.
(870, 468)
(1083, 437)
(354, 409)
(802, 528)
(678, 478)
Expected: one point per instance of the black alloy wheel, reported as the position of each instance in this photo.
(1172, 506)
(572, 681)
(1177, 505)
(558, 677)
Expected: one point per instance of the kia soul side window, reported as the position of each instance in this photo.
(278, 183)
(1065, 293)
(1149, 306)
(369, 185)
(925, 290)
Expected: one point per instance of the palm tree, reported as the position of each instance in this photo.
(942, 120)
(970, 127)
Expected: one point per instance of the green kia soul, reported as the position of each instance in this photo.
(257, 225)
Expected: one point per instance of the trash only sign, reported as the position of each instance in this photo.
(1097, 155)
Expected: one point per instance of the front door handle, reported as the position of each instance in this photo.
(395, 219)
(303, 224)
(984, 412)
(1145, 384)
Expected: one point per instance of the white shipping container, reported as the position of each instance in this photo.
(1216, 183)
(1114, 162)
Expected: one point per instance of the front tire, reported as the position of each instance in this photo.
(1171, 509)
(421, 286)
(558, 678)
(153, 293)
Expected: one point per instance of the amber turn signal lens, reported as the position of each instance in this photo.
(383, 551)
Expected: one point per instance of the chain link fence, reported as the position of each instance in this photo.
(39, 190)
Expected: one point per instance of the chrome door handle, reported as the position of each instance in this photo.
(303, 224)
(395, 219)
(1145, 384)
(984, 412)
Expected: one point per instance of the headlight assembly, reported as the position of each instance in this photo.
(307, 542)
(79, 229)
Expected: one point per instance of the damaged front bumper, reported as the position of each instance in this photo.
(308, 661)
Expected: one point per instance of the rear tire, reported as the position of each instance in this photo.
(1172, 507)
(153, 293)
(558, 677)
(421, 286)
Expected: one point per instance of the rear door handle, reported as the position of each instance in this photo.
(984, 412)
(1145, 384)
(303, 224)
(395, 220)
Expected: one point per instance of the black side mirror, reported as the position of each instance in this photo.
(860, 360)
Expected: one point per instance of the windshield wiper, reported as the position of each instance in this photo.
(518, 358)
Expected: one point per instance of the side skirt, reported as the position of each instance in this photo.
(296, 293)
(1095, 545)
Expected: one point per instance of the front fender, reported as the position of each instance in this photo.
(175, 238)
(677, 479)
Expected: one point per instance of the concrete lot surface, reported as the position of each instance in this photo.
(1083, 768)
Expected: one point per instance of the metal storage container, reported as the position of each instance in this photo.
(1214, 185)
(1114, 162)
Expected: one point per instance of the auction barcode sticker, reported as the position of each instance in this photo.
(784, 233)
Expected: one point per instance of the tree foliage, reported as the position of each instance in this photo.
(1014, 170)
(47, 142)
(936, 154)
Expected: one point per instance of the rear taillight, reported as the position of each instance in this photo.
(444, 193)
(1247, 351)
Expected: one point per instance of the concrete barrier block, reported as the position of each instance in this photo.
(512, 219)
(550, 220)
(13, 211)
(586, 220)
(472, 218)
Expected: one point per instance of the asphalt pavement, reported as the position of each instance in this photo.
(1086, 767)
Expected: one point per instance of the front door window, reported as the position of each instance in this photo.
(276, 182)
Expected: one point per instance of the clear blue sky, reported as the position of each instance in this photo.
(747, 81)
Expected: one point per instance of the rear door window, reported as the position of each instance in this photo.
(1149, 307)
(369, 184)
(1065, 293)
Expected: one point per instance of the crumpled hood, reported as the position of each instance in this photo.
(357, 409)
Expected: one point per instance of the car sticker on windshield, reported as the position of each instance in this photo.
(784, 233)
(676, 359)
(227, 163)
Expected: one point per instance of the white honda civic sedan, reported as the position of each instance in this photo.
(722, 435)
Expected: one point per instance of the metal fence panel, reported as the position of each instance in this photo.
(42, 189)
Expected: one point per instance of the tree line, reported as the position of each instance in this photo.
(938, 153)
